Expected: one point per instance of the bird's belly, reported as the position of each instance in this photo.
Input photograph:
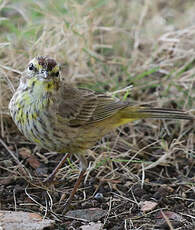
(49, 135)
(43, 128)
(88, 136)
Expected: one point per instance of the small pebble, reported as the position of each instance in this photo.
(99, 196)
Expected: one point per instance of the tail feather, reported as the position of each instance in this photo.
(145, 112)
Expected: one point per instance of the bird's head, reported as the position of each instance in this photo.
(43, 68)
(41, 76)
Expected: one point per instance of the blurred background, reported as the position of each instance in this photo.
(107, 45)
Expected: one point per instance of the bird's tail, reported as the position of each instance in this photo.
(131, 113)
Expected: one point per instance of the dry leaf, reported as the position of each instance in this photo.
(148, 205)
(170, 215)
(31, 159)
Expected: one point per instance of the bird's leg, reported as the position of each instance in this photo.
(50, 178)
(83, 168)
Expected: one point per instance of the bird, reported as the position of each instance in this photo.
(58, 116)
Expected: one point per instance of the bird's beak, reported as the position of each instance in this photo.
(44, 74)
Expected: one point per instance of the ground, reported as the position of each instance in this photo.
(140, 176)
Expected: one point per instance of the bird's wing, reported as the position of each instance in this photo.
(84, 106)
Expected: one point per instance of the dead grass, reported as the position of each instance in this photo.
(107, 45)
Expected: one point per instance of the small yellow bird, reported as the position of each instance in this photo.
(60, 117)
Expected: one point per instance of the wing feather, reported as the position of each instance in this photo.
(84, 106)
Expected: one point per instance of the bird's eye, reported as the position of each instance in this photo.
(31, 67)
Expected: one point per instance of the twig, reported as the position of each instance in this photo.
(21, 167)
